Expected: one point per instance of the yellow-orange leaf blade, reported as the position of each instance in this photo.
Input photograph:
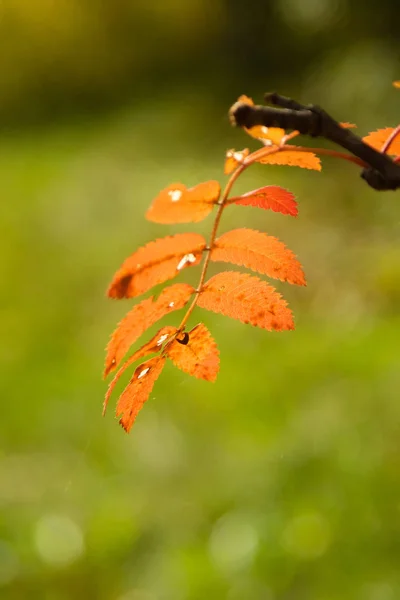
(247, 299)
(141, 317)
(199, 356)
(154, 345)
(138, 390)
(179, 204)
(377, 139)
(271, 135)
(293, 158)
(271, 197)
(233, 159)
(260, 252)
(155, 263)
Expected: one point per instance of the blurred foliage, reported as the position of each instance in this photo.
(281, 480)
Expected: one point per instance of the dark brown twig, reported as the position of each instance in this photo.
(380, 171)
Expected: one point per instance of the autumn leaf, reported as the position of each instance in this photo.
(199, 356)
(378, 138)
(179, 204)
(248, 299)
(268, 135)
(292, 158)
(138, 390)
(233, 159)
(260, 252)
(270, 197)
(141, 317)
(155, 263)
(154, 345)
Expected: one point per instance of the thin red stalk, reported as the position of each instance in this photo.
(290, 147)
(221, 205)
(250, 159)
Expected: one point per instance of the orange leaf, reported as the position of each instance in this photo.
(377, 139)
(154, 345)
(138, 390)
(293, 158)
(248, 299)
(179, 204)
(141, 317)
(271, 135)
(233, 159)
(396, 84)
(156, 262)
(199, 356)
(260, 252)
(270, 197)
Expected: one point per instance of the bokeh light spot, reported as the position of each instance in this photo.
(307, 536)
(233, 541)
(59, 540)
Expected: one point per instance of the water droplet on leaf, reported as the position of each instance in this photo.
(188, 258)
(175, 195)
(163, 337)
(143, 372)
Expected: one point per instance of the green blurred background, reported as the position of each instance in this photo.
(281, 481)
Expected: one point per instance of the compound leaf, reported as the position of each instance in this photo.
(259, 252)
(154, 345)
(198, 356)
(179, 204)
(138, 390)
(248, 299)
(155, 263)
(141, 317)
(271, 197)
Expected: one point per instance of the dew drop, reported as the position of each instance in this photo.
(171, 304)
(143, 373)
(238, 156)
(175, 195)
(163, 337)
(188, 258)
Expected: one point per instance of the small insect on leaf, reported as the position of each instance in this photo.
(141, 317)
(271, 197)
(293, 158)
(155, 263)
(154, 345)
(259, 252)
(199, 356)
(233, 159)
(248, 299)
(377, 139)
(179, 204)
(138, 390)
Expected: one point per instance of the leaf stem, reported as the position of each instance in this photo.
(221, 205)
(223, 202)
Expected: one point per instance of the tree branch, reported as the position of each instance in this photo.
(380, 172)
